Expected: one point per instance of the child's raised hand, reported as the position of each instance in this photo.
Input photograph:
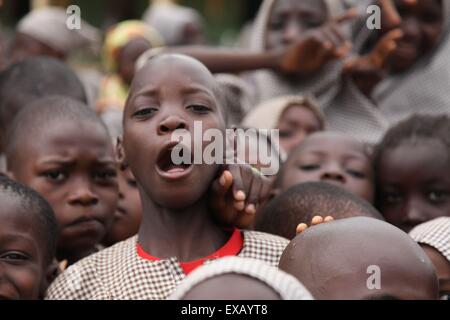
(368, 70)
(237, 194)
(317, 47)
(314, 221)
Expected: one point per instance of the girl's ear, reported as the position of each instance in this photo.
(120, 154)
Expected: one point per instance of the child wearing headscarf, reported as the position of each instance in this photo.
(44, 32)
(233, 278)
(295, 116)
(411, 76)
(178, 25)
(124, 43)
(434, 237)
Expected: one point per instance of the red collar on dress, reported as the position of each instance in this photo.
(231, 248)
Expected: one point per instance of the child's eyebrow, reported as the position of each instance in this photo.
(11, 238)
(56, 160)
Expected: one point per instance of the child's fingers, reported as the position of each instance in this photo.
(328, 219)
(350, 14)
(391, 17)
(385, 47)
(301, 227)
(316, 220)
(253, 196)
(238, 183)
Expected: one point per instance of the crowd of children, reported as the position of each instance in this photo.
(93, 205)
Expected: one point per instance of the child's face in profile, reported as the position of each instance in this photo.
(169, 93)
(73, 166)
(413, 183)
(129, 209)
(331, 158)
(289, 19)
(23, 260)
(422, 25)
(295, 124)
(232, 287)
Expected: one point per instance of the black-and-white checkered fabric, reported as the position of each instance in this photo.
(435, 233)
(119, 273)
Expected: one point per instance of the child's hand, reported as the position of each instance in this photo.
(237, 194)
(368, 70)
(314, 221)
(317, 47)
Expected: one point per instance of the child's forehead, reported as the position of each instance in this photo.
(330, 142)
(181, 68)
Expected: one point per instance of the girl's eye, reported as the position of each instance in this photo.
(309, 167)
(145, 112)
(437, 196)
(285, 134)
(199, 108)
(392, 198)
(14, 257)
(357, 174)
(132, 183)
(55, 175)
(105, 175)
(277, 25)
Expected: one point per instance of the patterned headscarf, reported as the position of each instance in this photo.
(121, 34)
(284, 284)
(435, 233)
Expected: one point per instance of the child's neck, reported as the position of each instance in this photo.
(188, 234)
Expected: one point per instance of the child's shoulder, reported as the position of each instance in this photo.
(86, 278)
(263, 246)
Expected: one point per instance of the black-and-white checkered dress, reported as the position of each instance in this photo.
(120, 273)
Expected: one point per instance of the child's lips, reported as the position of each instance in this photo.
(167, 169)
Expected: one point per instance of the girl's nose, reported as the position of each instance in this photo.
(170, 124)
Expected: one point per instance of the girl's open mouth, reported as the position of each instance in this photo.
(171, 163)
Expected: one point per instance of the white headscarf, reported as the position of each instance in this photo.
(284, 284)
(48, 25)
(170, 19)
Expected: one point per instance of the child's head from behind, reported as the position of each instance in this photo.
(24, 82)
(434, 238)
(300, 203)
(28, 235)
(332, 158)
(360, 258)
(170, 92)
(412, 163)
(66, 155)
(235, 278)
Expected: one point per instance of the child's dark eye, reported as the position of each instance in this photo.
(285, 134)
(276, 24)
(14, 257)
(357, 174)
(392, 198)
(56, 175)
(437, 196)
(198, 108)
(105, 175)
(145, 112)
(132, 183)
(309, 167)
